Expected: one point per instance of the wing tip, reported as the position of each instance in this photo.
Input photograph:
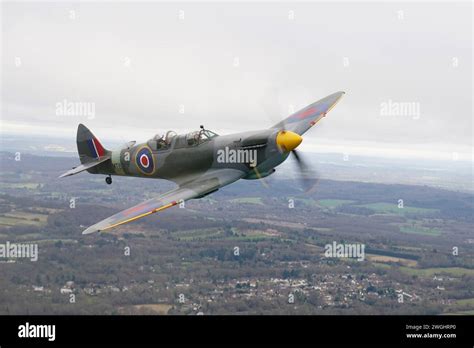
(91, 229)
(338, 94)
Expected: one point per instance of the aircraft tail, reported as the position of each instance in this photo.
(88, 146)
(91, 152)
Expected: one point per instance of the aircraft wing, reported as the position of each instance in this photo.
(301, 121)
(197, 188)
(85, 166)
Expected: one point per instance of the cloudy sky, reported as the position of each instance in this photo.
(143, 68)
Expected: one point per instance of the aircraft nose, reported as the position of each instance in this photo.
(288, 141)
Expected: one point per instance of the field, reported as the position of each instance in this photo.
(247, 200)
(390, 259)
(431, 272)
(160, 309)
(333, 203)
(418, 229)
(392, 208)
(463, 307)
(14, 218)
(197, 234)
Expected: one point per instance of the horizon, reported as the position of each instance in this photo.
(311, 143)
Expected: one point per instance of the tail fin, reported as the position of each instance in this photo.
(88, 146)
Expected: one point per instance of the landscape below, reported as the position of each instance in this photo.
(250, 248)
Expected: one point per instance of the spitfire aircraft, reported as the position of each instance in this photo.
(200, 162)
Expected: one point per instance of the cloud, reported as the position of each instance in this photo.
(235, 67)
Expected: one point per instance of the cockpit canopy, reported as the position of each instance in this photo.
(163, 142)
(198, 137)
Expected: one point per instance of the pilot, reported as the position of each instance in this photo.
(160, 142)
(169, 137)
(197, 137)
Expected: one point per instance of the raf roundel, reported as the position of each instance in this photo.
(144, 160)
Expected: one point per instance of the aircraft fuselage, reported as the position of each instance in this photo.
(182, 161)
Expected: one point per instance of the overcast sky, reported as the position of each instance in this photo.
(149, 67)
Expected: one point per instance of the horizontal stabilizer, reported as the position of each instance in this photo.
(85, 166)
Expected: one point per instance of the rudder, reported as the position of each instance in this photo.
(88, 146)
